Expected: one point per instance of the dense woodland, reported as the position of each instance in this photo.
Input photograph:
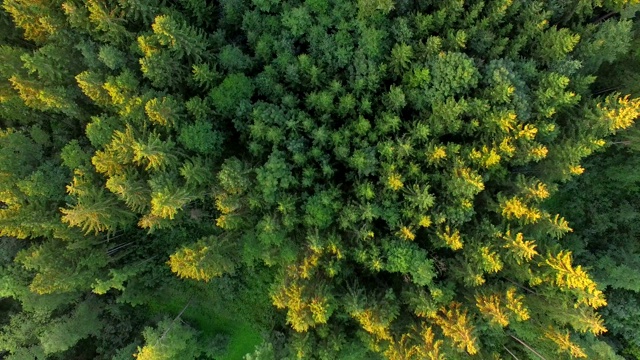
(319, 179)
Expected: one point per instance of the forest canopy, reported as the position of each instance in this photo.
(319, 179)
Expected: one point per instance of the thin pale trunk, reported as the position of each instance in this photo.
(605, 17)
(528, 347)
(510, 353)
(606, 90)
(117, 248)
(174, 320)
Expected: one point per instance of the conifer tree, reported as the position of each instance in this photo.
(169, 340)
(379, 171)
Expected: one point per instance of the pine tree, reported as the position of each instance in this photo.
(95, 211)
(56, 264)
(39, 20)
(380, 172)
(167, 199)
(204, 260)
(63, 333)
(454, 324)
(154, 153)
(169, 340)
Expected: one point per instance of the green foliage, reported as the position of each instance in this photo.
(100, 130)
(606, 43)
(233, 60)
(165, 111)
(207, 258)
(182, 39)
(356, 180)
(232, 92)
(73, 156)
(556, 43)
(263, 352)
(601, 208)
(168, 341)
(96, 211)
(65, 332)
(200, 137)
(40, 334)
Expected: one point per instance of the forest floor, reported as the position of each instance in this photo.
(205, 315)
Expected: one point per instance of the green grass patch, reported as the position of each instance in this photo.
(208, 317)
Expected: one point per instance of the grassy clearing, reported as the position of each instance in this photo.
(208, 317)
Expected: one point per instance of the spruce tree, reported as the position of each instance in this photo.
(379, 171)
